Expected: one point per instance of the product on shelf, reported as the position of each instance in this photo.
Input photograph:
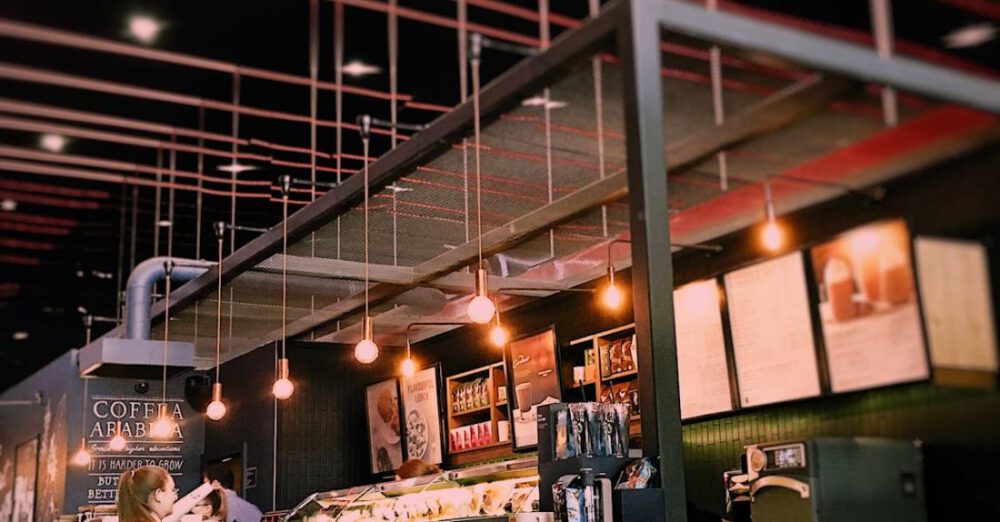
(472, 436)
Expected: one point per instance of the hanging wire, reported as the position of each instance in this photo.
(881, 14)
(236, 148)
(338, 78)
(158, 202)
(220, 232)
(715, 69)
(284, 265)
(364, 143)
(169, 268)
(475, 59)
(543, 30)
(595, 8)
(83, 422)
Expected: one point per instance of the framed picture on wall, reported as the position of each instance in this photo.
(423, 419)
(385, 428)
(532, 367)
(25, 477)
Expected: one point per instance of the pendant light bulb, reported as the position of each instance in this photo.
(283, 387)
(498, 336)
(118, 442)
(366, 351)
(164, 426)
(772, 236)
(216, 409)
(481, 308)
(408, 367)
(82, 457)
(612, 295)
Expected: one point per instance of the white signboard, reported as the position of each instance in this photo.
(701, 350)
(772, 332)
(422, 416)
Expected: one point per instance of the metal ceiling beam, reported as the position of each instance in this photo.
(780, 109)
(323, 268)
(830, 55)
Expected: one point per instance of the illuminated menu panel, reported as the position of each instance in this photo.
(701, 350)
(954, 284)
(772, 332)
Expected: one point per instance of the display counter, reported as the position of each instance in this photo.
(491, 490)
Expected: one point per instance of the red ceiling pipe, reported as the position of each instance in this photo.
(48, 201)
(37, 220)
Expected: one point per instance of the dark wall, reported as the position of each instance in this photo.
(249, 421)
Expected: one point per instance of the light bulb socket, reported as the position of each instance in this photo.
(475, 47)
(282, 368)
(217, 392)
(768, 202)
(286, 185)
(481, 283)
(83, 443)
(220, 229)
(364, 122)
(611, 275)
(163, 410)
(367, 328)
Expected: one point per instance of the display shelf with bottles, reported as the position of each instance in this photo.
(478, 417)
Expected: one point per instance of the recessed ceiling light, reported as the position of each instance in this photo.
(359, 68)
(236, 168)
(164, 223)
(144, 28)
(970, 35)
(20, 336)
(539, 101)
(8, 205)
(52, 142)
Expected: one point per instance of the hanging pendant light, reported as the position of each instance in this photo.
(217, 409)
(366, 351)
(164, 425)
(498, 334)
(283, 386)
(408, 367)
(611, 296)
(481, 307)
(82, 457)
(772, 236)
(118, 442)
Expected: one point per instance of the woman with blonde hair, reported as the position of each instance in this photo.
(145, 494)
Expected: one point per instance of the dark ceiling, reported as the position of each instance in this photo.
(68, 245)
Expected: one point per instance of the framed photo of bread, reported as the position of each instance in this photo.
(423, 419)
(385, 427)
(534, 380)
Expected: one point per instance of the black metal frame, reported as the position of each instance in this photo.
(638, 26)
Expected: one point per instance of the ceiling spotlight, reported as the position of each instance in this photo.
(20, 335)
(165, 223)
(540, 101)
(52, 142)
(358, 68)
(144, 28)
(236, 168)
(970, 36)
(8, 205)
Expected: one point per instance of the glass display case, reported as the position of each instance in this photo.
(496, 490)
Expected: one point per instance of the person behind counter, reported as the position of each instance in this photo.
(145, 494)
(416, 468)
(212, 507)
(237, 510)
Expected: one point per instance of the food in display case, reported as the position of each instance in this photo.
(501, 489)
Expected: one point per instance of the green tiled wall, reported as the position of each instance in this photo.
(921, 411)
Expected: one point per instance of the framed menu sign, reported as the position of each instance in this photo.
(701, 350)
(534, 380)
(384, 426)
(772, 331)
(868, 308)
(422, 419)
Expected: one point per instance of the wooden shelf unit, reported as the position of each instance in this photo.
(494, 376)
(599, 378)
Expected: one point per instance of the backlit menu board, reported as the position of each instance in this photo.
(868, 308)
(958, 311)
(701, 350)
(772, 331)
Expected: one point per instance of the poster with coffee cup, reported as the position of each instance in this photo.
(868, 307)
(531, 364)
(384, 426)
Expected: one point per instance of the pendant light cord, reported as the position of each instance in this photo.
(479, 198)
(364, 143)
(218, 316)
(83, 422)
(166, 329)
(284, 273)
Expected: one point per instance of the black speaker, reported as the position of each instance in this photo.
(198, 391)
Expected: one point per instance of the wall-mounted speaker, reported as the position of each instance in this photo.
(198, 391)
